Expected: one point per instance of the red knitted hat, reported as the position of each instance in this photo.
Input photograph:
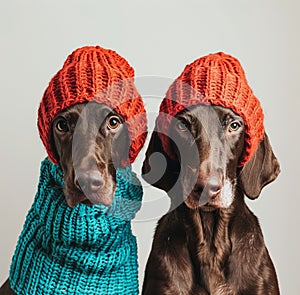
(215, 79)
(92, 73)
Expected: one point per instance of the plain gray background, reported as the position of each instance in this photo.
(158, 38)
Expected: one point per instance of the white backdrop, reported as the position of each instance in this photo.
(158, 38)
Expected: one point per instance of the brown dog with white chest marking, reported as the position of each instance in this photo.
(211, 133)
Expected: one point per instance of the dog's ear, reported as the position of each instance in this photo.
(120, 148)
(261, 169)
(158, 169)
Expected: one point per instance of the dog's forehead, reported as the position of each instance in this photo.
(206, 113)
(224, 113)
(92, 111)
(98, 111)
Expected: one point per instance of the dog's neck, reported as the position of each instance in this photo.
(208, 236)
(209, 224)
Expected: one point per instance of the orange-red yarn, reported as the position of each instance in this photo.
(92, 73)
(215, 79)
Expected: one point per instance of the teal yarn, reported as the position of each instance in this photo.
(80, 250)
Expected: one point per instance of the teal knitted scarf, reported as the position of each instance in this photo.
(80, 250)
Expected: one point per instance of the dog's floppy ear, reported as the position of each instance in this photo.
(158, 169)
(120, 148)
(261, 169)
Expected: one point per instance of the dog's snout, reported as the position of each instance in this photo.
(211, 183)
(213, 186)
(90, 181)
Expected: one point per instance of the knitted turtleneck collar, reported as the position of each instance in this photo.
(84, 250)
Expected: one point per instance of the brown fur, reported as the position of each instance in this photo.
(209, 249)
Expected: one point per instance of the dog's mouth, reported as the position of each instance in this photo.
(89, 187)
(199, 199)
(75, 197)
(201, 196)
(86, 202)
(220, 197)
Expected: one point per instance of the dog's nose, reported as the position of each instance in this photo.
(89, 181)
(213, 186)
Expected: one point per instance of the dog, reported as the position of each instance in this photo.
(77, 236)
(95, 170)
(218, 247)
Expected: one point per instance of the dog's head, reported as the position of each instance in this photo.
(211, 133)
(207, 143)
(91, 120)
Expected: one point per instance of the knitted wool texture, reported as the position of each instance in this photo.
(92, 73)
(215, 79)
(84, 250)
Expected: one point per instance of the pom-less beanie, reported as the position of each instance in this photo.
(215, 79)
(92, 73)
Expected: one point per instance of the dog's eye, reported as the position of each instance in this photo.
(62, 126)
(234, 126)
(113, 123)
(181, 126)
